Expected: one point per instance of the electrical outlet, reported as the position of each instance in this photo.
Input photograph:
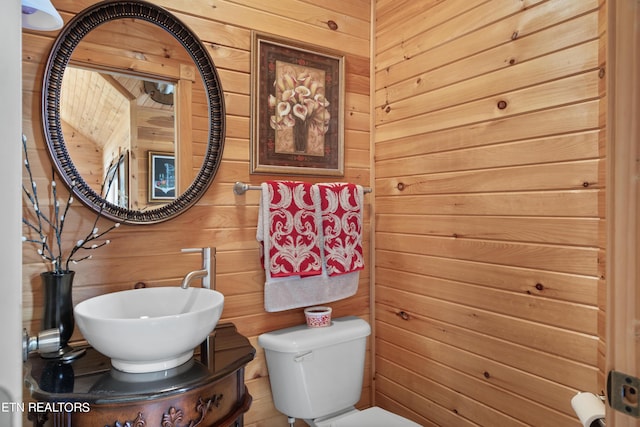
(624, 393)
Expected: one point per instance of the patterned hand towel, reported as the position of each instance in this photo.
(340, 205)
(288, 229)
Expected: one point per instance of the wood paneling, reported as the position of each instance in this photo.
(489, 149)
(623, 272)
(489, 211)
(221, 219)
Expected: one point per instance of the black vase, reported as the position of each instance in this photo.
(58, 304)
(300, 135)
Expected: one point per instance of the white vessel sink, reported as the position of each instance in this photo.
(150, 329)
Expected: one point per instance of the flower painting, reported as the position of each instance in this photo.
(297, 110)
(300, 109)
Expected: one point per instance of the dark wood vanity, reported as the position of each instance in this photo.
(208, 390)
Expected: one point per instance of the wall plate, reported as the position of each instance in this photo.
(623, 392)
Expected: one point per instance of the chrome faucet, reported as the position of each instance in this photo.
(205, 273)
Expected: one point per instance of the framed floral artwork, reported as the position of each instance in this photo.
(297, 109)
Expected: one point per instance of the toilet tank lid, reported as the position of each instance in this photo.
(303, 338)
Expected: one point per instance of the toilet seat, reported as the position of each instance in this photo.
(371, 417)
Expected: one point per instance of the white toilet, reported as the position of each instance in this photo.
(316, 374)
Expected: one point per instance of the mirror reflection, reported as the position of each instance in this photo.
(137, 98)
(112, 122)
(112, 114)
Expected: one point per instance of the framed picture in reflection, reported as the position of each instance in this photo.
(162, 177)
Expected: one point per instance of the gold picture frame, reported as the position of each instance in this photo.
(297, 108)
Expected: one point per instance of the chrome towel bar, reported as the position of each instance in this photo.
(240, 188)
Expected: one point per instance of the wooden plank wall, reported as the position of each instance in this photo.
(623, 197)
(151, 254)
(489, 236)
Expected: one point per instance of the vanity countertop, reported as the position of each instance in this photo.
(90, 378)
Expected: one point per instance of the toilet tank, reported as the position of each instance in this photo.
(316, 372)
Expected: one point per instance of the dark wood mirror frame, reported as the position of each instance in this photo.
(63, 47)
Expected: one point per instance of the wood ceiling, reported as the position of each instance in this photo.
(98, 104)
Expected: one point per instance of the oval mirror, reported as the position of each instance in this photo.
(133, 112)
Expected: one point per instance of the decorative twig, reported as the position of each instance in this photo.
(54, 254)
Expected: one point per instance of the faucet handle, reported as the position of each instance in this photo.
(193, 250)
(206, 254)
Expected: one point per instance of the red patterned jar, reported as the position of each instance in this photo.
(318, 317)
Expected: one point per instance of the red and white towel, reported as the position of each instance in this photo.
(311, 242)
(341, 210)
(291, 230)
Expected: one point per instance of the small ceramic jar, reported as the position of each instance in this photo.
(318, 316)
